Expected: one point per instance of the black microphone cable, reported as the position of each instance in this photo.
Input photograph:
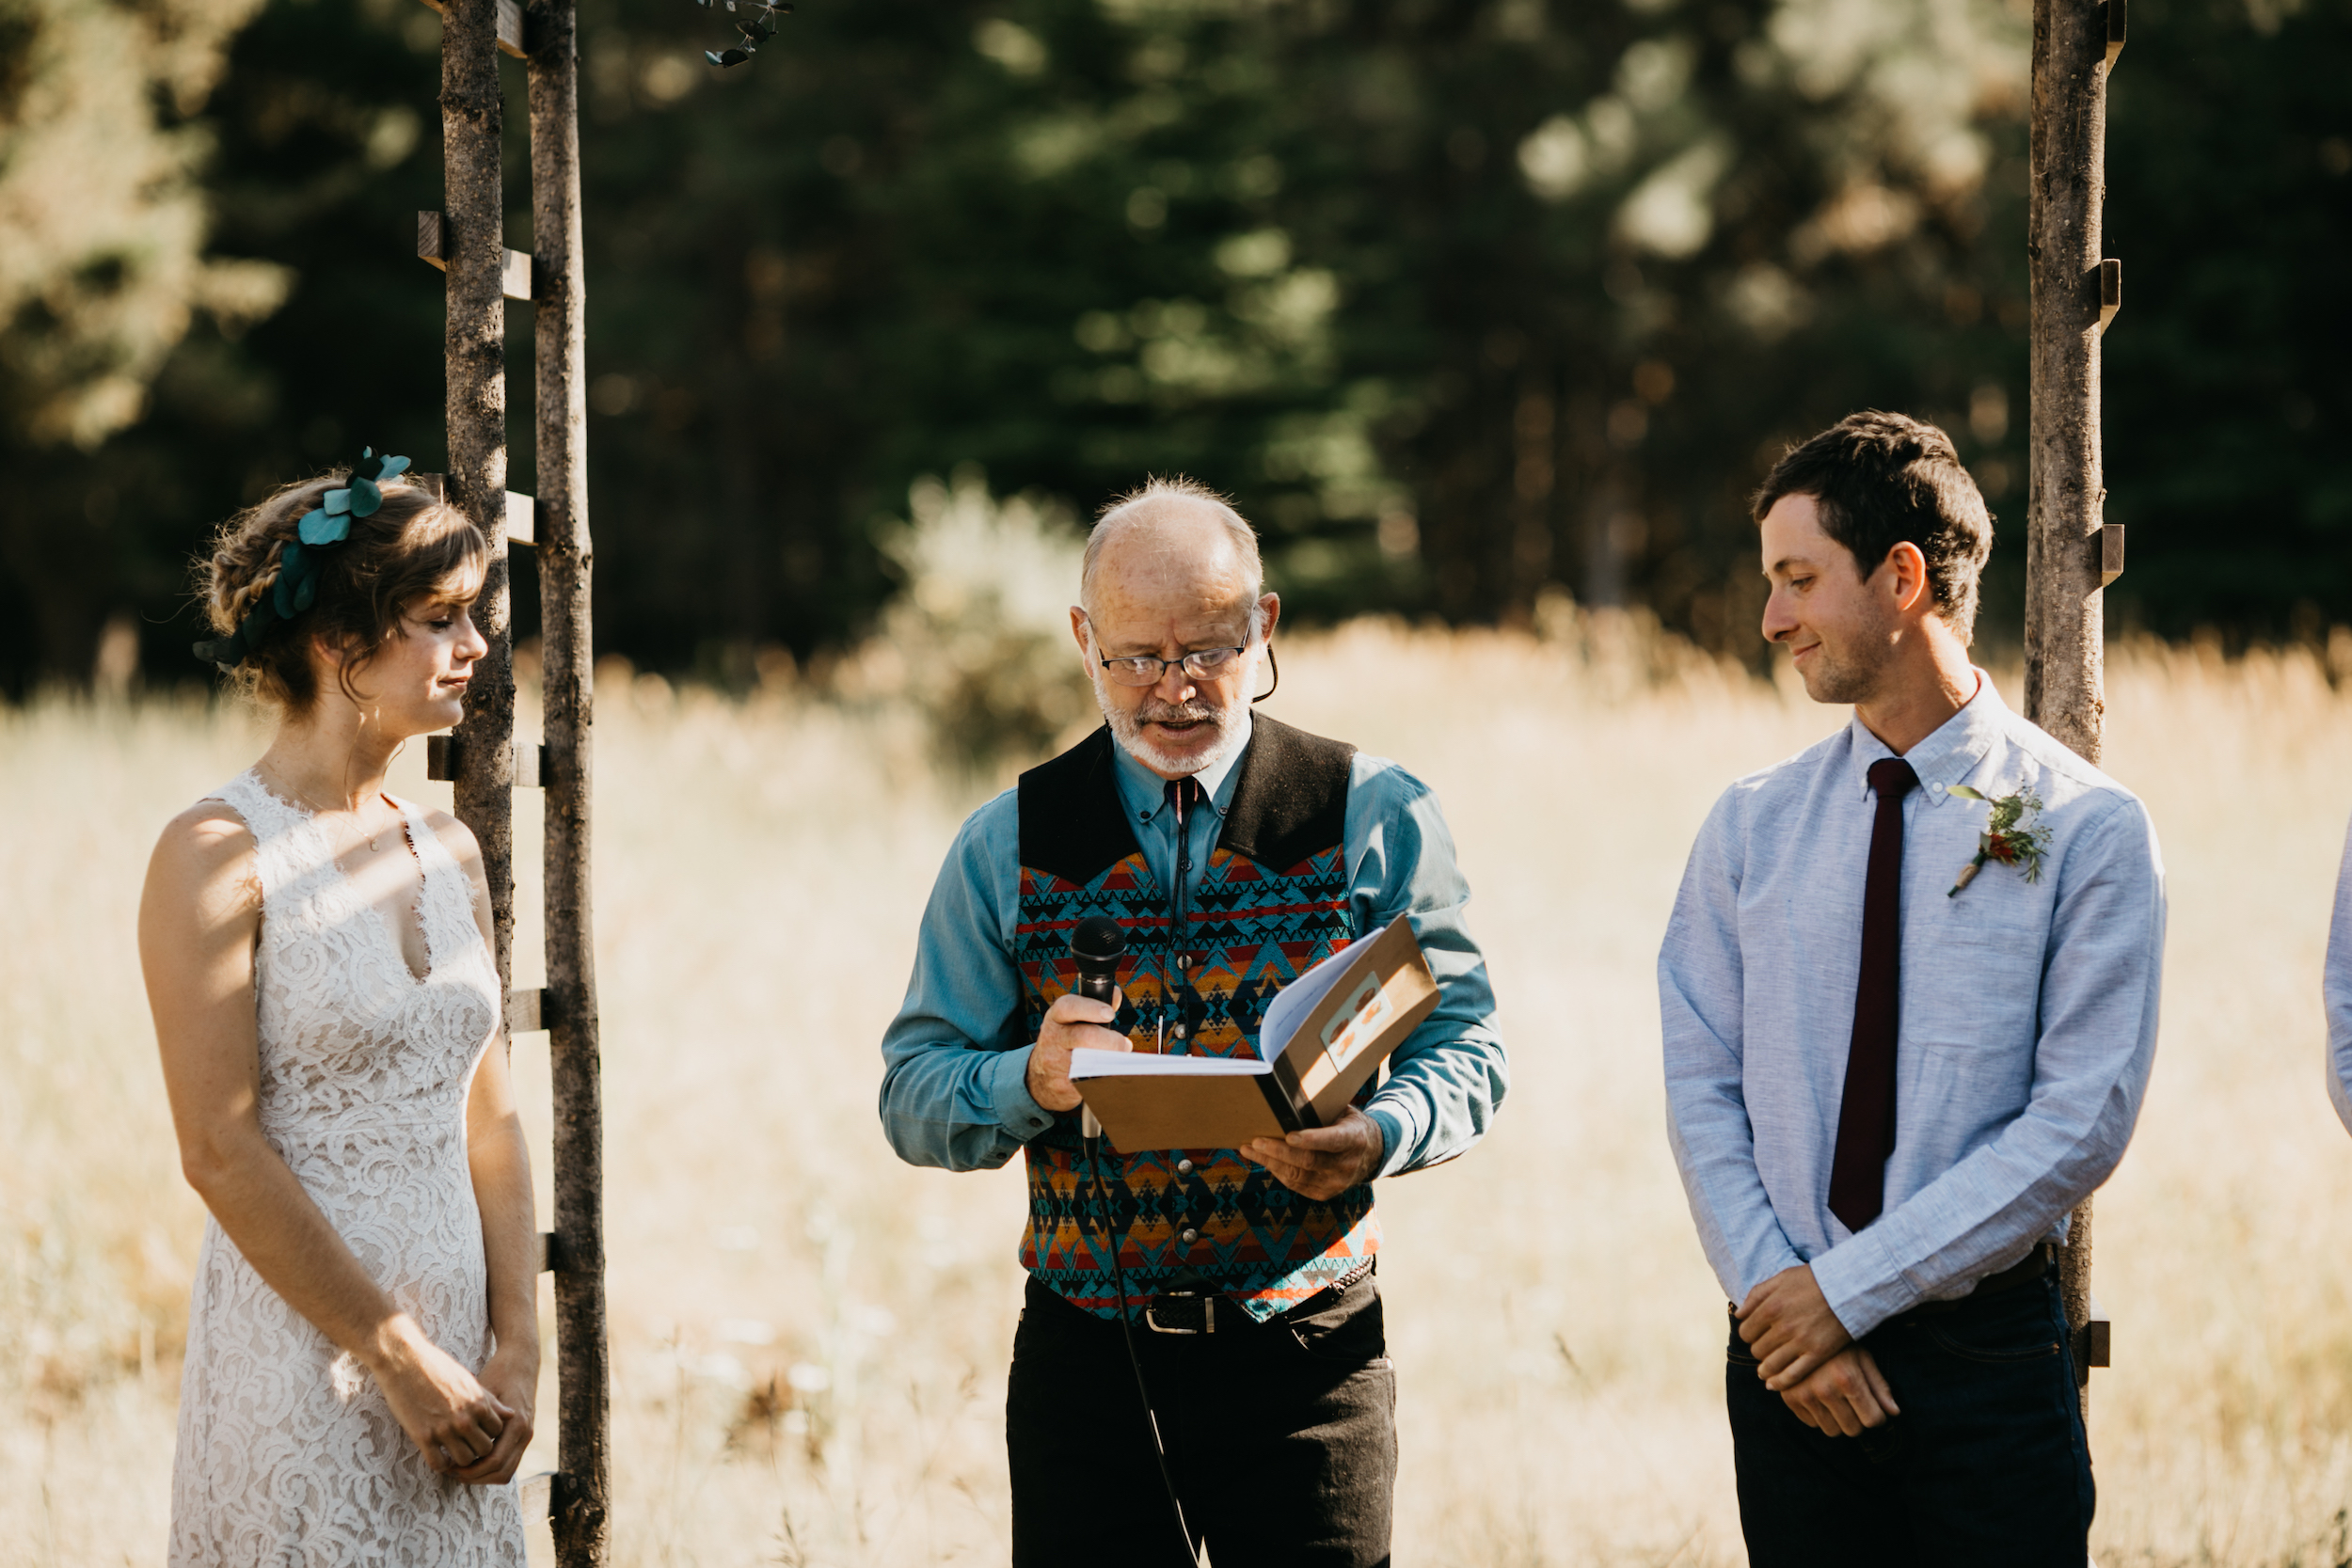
(1096, 947)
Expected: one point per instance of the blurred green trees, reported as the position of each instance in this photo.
(1459, 299)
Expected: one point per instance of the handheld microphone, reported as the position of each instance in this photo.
(1096, 947)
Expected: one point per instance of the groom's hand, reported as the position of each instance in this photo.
(1071, 1021)
(1844, 1395)
(1787, 1324)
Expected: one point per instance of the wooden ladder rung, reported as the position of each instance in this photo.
(526, 1010)
(522, 519)
(538, 1508)
(442, 756)
(512, 39)
(551, 1251)
(522, 512)
(433, 245)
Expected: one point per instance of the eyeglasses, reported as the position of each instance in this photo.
(1203, 664)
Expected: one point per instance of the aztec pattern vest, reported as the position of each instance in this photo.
(1271, 904)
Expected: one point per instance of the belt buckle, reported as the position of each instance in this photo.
(1208, 1313)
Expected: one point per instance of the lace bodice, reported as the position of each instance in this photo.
(288, 1453)
(345, 1028)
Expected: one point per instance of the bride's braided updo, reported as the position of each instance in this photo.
(411, 546)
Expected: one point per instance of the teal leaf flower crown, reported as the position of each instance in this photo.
(301, 557)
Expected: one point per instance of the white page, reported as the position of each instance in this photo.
(1294, 1001)
(1087, 1062)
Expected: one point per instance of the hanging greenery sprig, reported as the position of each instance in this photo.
(754, 19)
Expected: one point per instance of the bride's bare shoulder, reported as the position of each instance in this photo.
(210, 826)
(204, 844)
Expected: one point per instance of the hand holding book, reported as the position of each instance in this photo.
(1321, 1163)
(1322, 1037)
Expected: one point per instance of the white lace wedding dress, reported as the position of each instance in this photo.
(288, 1454)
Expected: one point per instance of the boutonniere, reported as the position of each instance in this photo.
(2014, 835)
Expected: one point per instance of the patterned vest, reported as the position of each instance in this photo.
(1272, 903)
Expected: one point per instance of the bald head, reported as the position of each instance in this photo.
(1172, 572)
(1173, 536)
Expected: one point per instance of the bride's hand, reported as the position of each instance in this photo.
(445, 1410)
(512, 1379)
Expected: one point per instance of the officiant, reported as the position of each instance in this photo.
(1236, 853)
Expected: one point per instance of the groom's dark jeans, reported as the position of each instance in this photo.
(1281, 1437)
(1986, 1464)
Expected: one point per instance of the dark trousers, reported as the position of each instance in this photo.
(1986, 1463)
(1281, 1437)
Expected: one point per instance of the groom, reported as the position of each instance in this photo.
(1236, 853)
(1910, 1006)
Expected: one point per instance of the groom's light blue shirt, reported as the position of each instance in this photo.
(956, 1059)
(2028, 1012)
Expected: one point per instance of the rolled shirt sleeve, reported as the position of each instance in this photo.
(955, 1089)
(1446, 1081)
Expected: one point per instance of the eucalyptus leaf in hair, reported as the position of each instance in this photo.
(320, 527)
(299, 561)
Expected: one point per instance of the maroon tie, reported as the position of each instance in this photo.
(1865, 1117)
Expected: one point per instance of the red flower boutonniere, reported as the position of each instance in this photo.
(2013, 836)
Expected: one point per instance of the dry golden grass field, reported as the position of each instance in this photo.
(809, 1339)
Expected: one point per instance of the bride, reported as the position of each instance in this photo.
(363, 1347)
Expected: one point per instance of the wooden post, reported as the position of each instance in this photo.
(579, 1505)
(472, 121)
(2068, 548)
(465, 240)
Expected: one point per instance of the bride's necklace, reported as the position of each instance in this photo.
(286, 786)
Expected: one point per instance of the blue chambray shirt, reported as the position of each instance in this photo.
(2028, 1012)
(955, 1061)
(2336, 988)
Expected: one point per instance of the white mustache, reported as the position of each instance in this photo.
(1176, 713)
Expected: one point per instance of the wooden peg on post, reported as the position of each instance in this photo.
(445, 762)
(510, 27)
(2067, 558)
(433, 244)
(521, 518)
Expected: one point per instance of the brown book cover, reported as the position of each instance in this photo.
(1327, 1031)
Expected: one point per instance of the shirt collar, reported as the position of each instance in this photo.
(1946, 757)
(1143, 791)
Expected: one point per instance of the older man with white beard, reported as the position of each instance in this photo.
(1236, 853)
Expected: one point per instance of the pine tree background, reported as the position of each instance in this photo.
(1461, 301)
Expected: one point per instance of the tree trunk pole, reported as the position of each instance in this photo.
(580, 1514)
(472, 120)
(2065, 677)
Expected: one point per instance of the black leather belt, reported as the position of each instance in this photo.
(1190, 1312)
(2029, 1269)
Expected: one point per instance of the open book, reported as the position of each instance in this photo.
(1322, 1037)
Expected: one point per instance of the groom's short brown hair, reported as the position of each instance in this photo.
(1881, 480)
